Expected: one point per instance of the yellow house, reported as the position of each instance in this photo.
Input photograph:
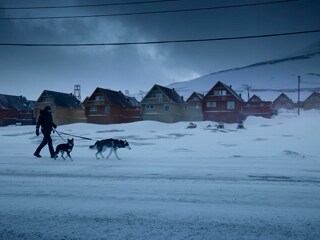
(66, 108)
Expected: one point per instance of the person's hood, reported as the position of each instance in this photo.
(44, 112)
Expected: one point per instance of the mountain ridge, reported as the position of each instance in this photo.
(267, 78)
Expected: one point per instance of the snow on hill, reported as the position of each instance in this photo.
(267, 79)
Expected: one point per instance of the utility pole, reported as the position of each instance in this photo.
(248, 89)
(299, 80)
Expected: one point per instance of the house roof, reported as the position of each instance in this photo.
(312, 96)
(66, 100)
(14, 102)
(199, 95)
(283, 95)
(170, 93)
(228, 88)
(255, 98)
(118, 98)
(133, 101)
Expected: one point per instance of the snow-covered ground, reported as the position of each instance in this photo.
(262, 182)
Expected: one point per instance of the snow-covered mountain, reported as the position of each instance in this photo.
(265, 79)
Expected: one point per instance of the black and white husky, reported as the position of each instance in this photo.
(65, 147)
(111, 143)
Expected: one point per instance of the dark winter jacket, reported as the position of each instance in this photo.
(45, 121)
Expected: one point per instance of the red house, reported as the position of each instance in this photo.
(15, 110)
(106, 106)
(222, 104)
(256, 107)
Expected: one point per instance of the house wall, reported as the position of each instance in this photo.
(10, 116)
(263, 109)
(158, 113)
(193, 111)
(221, 113)
(175, 112)
(283, 103)
(62, 116)
(117, 114)
(312, 102)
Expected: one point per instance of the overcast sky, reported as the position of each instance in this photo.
(28, 71)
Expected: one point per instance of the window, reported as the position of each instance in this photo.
(211, 104)
(149, 107)
(230, 105)
(107, 109)
(99, 98)
(219, 92)
(93, 109)
(166, 107)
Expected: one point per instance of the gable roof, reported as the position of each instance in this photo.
(14, 102)
(117, 97)
(199, 95)
(313, 95)
(133, 101)
(66, 100)
(170, 93)
(255, 98)
(228, 88)
(283, 95)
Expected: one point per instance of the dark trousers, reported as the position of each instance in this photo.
(46, 140)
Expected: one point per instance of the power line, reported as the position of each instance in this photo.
(155, 42)
(88, 5)
(150, 12)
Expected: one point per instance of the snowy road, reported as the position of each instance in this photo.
(111, 199)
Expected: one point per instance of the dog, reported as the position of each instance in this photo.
(111, 143)
(65, 147)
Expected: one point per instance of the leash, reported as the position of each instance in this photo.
(58, 134)
(71, 135)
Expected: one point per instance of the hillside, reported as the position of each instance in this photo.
(265, 79)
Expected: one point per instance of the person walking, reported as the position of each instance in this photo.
(46, 122)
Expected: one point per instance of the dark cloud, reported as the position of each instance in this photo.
(28, 71)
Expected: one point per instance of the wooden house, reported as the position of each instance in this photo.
(66, 108)
(106, 106)
(15, 110)
(193, 108)
(312, 102)
(163, 104)
(256, 107)
(283, 101)
(222, 104)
